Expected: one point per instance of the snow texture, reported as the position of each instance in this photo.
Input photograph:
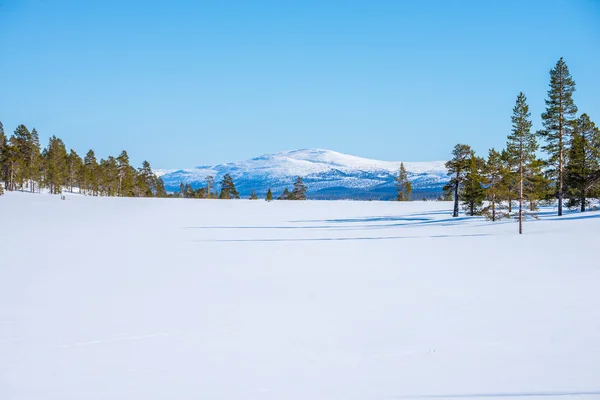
(109, 298)
(327, 173)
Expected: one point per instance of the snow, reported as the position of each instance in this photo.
(108, 298)
(323, 168)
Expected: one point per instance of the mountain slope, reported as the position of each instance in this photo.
(327, 174)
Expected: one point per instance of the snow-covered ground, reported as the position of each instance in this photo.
(107, 298)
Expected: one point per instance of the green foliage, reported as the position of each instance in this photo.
(253, 195)
(299, 191)
(457, 170)
(269, 195)
(583, 168)
(493, 180)
(558, 120)
(403, 185)
(285, 195)
(228, 190)
(24, 165)
(473, 192)
(55, 165)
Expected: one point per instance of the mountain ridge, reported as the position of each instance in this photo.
(328, 175)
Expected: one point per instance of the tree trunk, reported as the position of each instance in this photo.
(521, 189)
(455, 213)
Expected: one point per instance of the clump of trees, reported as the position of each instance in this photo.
(515, 180)
(229, 191)
(24, 165)
(297, 193)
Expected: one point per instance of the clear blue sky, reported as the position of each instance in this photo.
(183, 83)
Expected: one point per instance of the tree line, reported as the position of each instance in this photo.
(515, 180)
(228, 190)
(24, 165)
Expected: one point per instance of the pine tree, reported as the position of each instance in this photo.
(109, 176)
(473, 192)
(160, 190)
(509, 182)
(285, 195)
(125, 175)
(253, 195)
(582, 176)
(558, 123)
(228, 190)
(210, 184)
(34, 160)
(91, 170)
(74, 166)
(299, 191)
(493, 175)
(521, 146)
(269, 195)
(182, 189)
(403, 185)
(457, 170)
(55, 165)
(146, 182)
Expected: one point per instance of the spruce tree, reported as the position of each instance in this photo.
(299, 191)
(493, 175)
(473, 192)
(228, 190)
(457, 170)
(253, 195)
(583, 168)
(403, 185)
(521, 146)
(558, 123)
(269, 195)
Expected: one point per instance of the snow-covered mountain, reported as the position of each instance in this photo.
(327, 174)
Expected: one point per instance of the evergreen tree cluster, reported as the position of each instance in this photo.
(297, 193)
(229, 191)
(512, 182)
(25, 166)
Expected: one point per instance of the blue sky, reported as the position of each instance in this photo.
(183, 83)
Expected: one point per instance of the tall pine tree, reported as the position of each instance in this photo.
(558, 124)
(521, 146)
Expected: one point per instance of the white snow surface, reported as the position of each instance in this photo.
(109, 298)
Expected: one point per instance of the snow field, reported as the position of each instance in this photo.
(107, 298)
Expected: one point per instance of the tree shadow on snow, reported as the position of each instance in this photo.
(339, 238)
